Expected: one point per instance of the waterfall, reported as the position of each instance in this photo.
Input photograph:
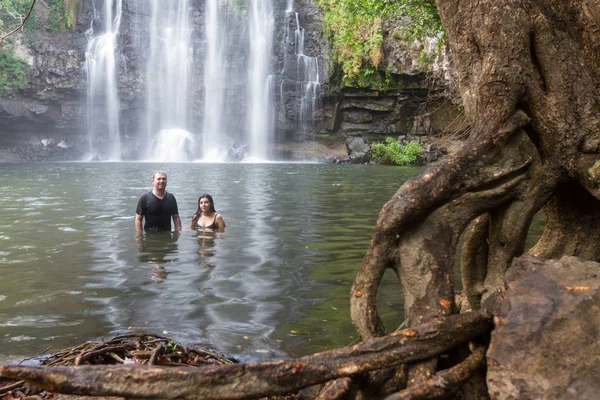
(259, 115)
(308, 71)
(235, 120)
(168, 74)
(290, 6)
(238, 50)
(102, 98)
(307, 77)
(215, 78)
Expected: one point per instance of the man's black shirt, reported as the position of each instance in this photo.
(157, 213)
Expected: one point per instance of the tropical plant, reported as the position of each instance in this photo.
(392, 152)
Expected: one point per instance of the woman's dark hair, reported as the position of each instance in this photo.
(209, 197)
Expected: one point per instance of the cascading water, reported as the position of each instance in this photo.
(308, 71)
(261, 37)
(228, 29)
(104, 139)
(215, 78)
(168, 73)
(307, 79)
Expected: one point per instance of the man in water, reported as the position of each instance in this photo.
(157, 207)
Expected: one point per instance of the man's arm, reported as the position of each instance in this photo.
(138, 222)
(177, 222)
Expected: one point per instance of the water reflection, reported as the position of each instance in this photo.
(156, 249)
(293, 242)
(206, 243)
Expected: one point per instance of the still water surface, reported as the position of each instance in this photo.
(275, 283)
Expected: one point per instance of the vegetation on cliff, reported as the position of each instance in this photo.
(62, 15)
(356, 29)
(13, 72)
(53, 16)
(15, 15)
(393, 152)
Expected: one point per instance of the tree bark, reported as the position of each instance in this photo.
(528, 75)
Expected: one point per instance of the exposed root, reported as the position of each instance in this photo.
(444, 382)
(339, 389)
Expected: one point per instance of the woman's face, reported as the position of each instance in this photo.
(204, 204)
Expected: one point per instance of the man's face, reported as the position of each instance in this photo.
(159, 181)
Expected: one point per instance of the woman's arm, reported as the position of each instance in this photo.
(194, 220)
(220, 221)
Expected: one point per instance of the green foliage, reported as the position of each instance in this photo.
(71, 7)
(13, 72)
(59, 19)
(392, 152)
(356, 30)
(12, 12)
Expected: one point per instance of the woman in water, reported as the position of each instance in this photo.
(206, 217)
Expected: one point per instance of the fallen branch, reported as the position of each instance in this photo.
(244, 381)
(97, 352)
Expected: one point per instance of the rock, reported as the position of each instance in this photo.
(546, 344)
(318, 150)
(358, 149)
(357, 117)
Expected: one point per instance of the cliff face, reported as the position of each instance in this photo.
(51, 105)
(307, 108)
(398, 100)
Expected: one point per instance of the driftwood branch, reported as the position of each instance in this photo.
(244, 381)
(96, 352)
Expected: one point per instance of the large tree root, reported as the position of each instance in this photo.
(245, 381)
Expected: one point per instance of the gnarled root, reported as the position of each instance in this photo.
(444, 382)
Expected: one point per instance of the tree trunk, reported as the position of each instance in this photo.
(528, 75)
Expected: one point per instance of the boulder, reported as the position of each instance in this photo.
(546, 344)
(358, 149)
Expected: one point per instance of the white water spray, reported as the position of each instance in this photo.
(173, 145)
(102, 96)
